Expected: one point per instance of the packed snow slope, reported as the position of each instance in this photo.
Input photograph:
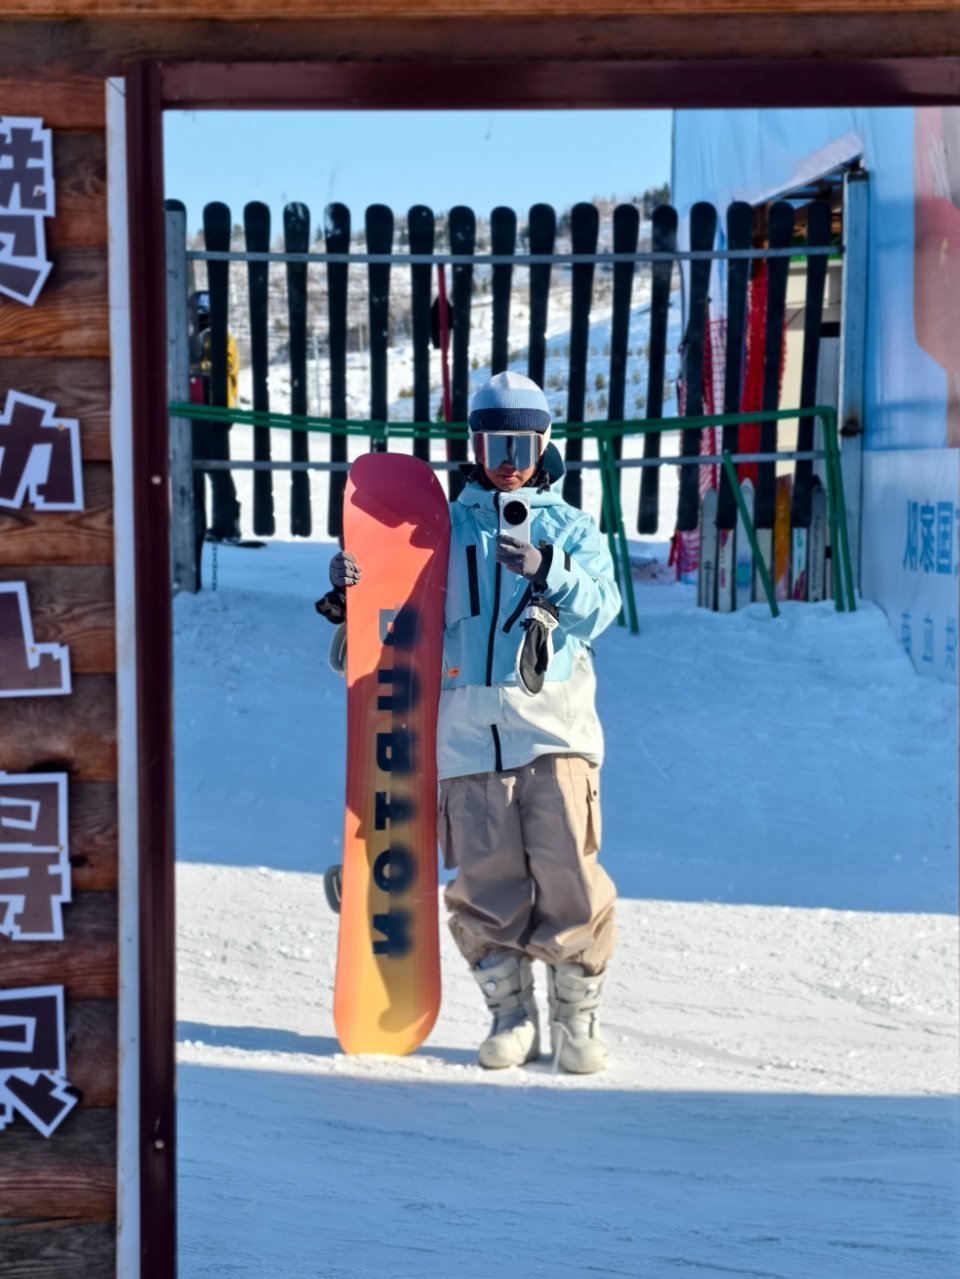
(780, 817)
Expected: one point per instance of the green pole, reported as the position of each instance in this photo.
(836, 558)
(603, 432)
(608, 466)
(751, 532)
(830, 429)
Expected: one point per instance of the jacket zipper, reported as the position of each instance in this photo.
(493, 628)
(497, 756)
(525, 599)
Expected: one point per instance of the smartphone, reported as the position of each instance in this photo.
(513, 510)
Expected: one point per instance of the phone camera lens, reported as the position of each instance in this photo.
(514, 512)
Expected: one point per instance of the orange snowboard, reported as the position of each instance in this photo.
(396, 521)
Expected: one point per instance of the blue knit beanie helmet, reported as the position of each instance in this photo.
(509, 404)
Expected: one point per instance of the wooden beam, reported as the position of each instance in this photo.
(63, 537)
(59, 1250)
(74, 734)
(74, 606)
(62, 101)
(70, 316)
(554, 84)
(80, 175)
(373, 9)
(91, 1026)
(78, 388)
(71, 1176)
(83, 48)
(93, 835)
(154, 633)
(85, 962)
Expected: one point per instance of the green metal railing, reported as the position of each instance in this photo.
(604, 433)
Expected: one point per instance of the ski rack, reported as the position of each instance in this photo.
(604, 433)
(511, 259)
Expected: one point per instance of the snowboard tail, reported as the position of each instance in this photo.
(397, 523)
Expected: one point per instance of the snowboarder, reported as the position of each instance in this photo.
(519, 743)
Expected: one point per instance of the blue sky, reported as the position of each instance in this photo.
(401, 158)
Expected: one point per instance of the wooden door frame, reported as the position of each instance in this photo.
(153, 87)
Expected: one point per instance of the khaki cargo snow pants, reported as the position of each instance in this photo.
(524, 843)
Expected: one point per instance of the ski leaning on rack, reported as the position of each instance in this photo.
(726, 569)
(379, 231)
(503, 242)
(542, 230)
(420, 228)
(584, 230)
(817, 544)
(462, 227)
(707, 571)
(739, 236)
(256, 224)
(664, 240)
(626, 233)
(337, 240)
(780, 237)
(703, 230)
(781, 537)
(296, 238)
(744, 567)
(224, 524)
(397, 523)
(818, 236)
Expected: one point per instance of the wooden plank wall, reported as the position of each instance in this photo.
(58, 1195)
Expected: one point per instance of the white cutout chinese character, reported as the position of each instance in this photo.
(26, 198)
(28, 669)
(39, 456)
(33, 1078)
(34, 855)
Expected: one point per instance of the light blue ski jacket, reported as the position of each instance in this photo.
(486, 721)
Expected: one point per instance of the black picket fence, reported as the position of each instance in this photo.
(423, 278)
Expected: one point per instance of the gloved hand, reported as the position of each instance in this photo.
(344, 569)
(518, 556)
(333, 606)
(536, 646)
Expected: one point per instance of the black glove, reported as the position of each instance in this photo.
(536, 647)
(333, 607)
(344, 572)
(344, 569)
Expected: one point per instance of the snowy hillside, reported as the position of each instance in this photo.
(780, 817)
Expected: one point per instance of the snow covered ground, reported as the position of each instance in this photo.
(780, 816)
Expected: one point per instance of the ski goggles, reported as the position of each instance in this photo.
(517, 449)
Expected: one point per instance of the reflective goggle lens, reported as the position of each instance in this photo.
(521, 450)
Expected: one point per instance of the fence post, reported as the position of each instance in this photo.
(184, 561)
(853, 343)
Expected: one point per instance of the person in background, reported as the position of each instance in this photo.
(211, 440)
(519, 742)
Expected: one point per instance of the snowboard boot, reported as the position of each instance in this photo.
(575, 1019)
(506, 980)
